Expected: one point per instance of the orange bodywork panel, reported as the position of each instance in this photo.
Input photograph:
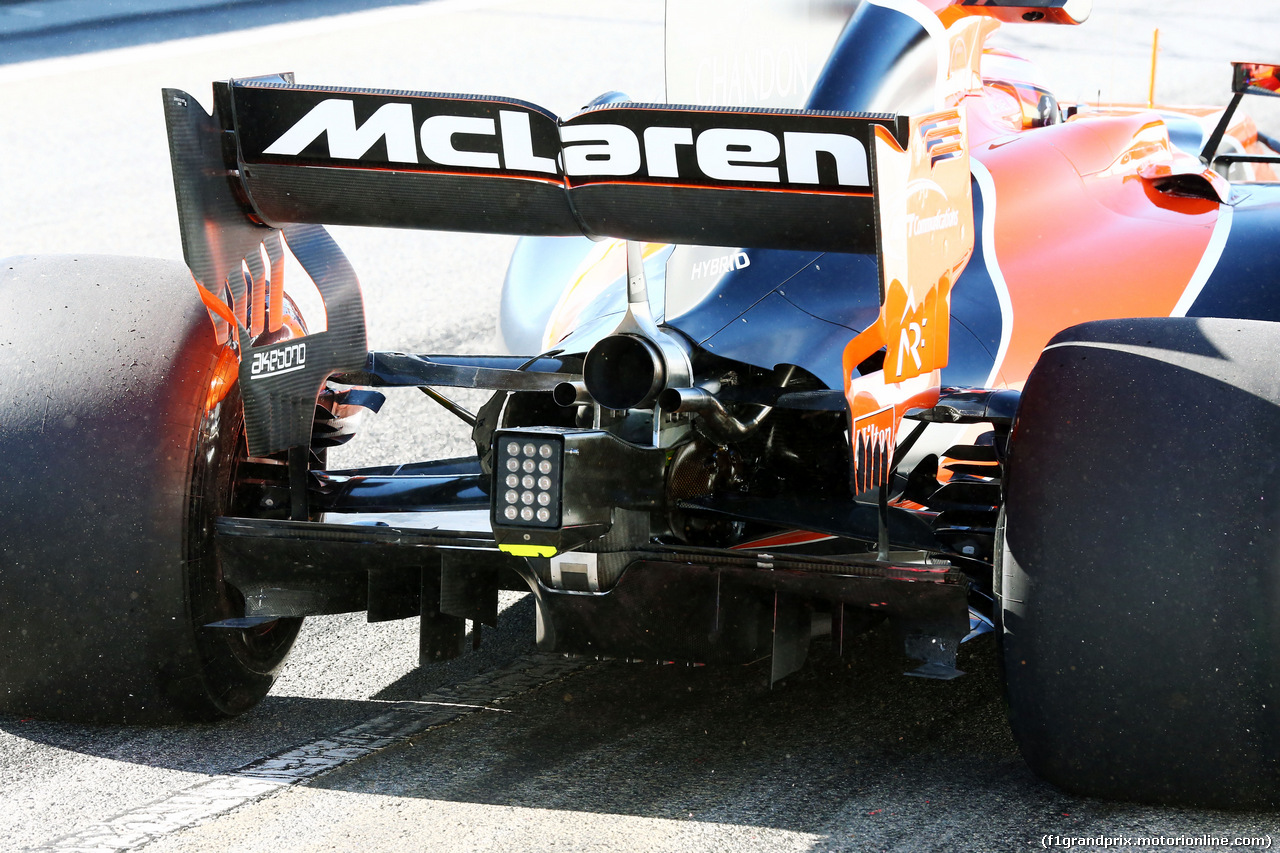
(1110, 245)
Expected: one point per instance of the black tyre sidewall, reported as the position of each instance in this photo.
(1140, 578)
(110, 455)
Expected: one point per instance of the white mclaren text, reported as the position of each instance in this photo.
(589, 150)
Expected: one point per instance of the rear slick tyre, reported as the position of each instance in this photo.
(120, 432)
(1141, 563)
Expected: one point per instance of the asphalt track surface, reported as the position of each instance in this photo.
(505, 749)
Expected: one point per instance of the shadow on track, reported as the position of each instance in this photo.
(718, 745)
(847, 751)
(279, 721)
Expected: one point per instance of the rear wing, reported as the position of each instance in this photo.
(276, 159)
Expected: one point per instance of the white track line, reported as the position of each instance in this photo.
(203, 801)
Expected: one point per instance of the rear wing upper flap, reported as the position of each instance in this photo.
(656, 172)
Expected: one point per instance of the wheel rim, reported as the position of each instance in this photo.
(238, 663)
